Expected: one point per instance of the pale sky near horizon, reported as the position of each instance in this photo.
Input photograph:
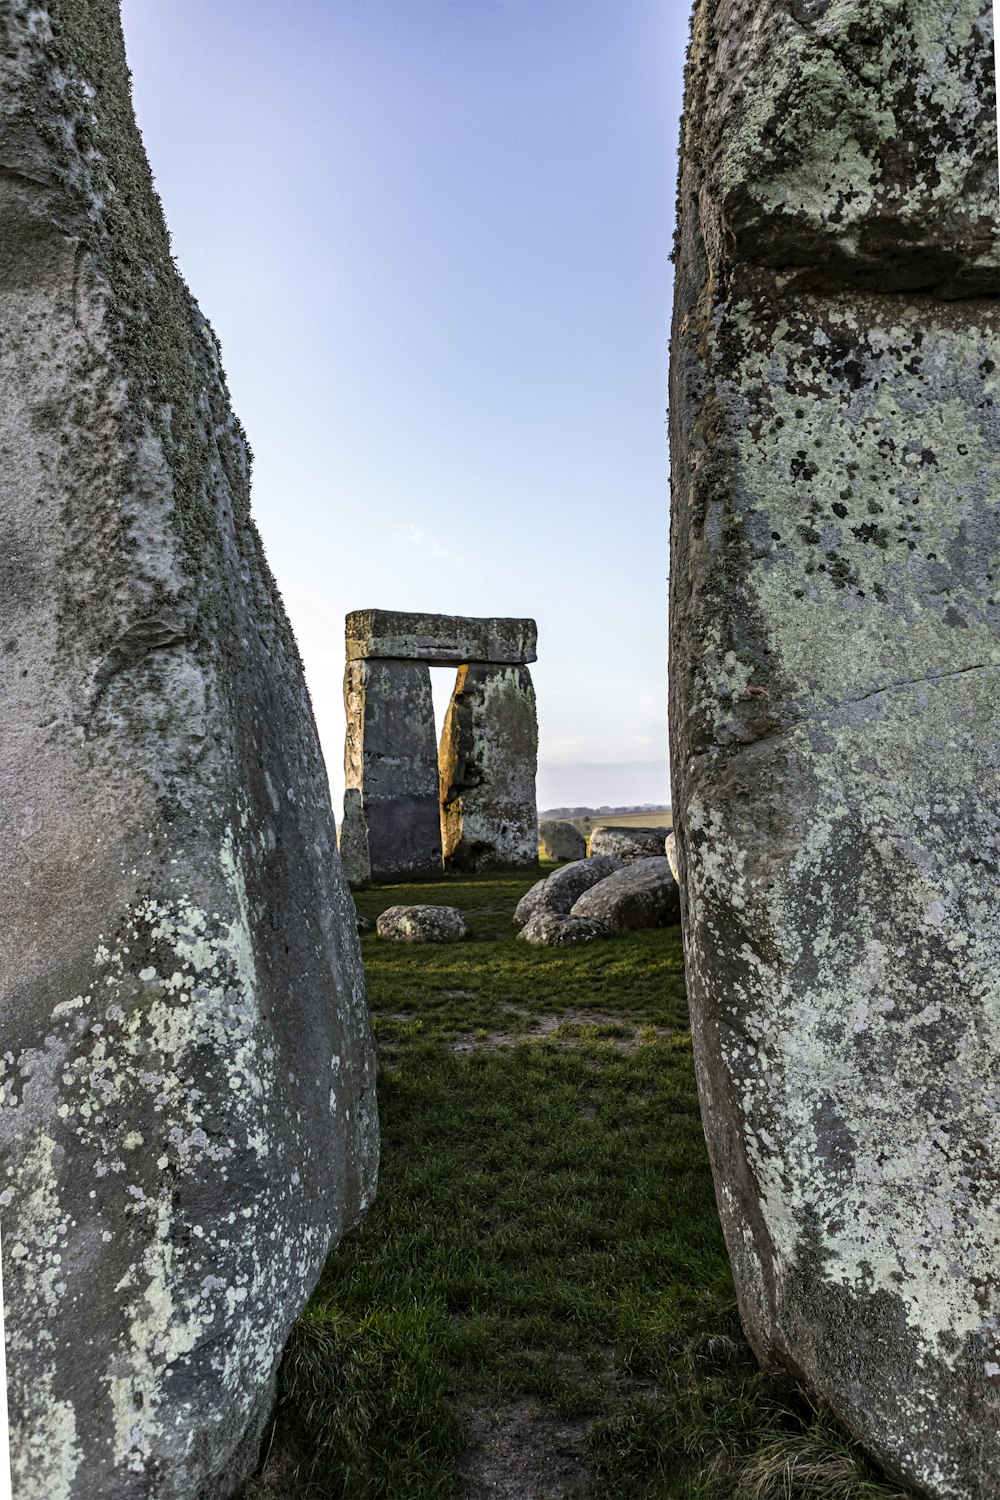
(433, 237)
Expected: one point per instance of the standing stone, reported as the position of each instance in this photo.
(187, 1119)
(488, 760)
(392, 825)
(835, 700)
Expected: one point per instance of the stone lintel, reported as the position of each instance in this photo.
(439, 640)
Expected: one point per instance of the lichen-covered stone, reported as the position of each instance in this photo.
(642, 894)
(421, 924)
(558, 891)
(560, 839)
(439, 640)
(835, 654)
(627, 843)
(488, 761)
(553, 929)
(187, 1119)
(392, 823)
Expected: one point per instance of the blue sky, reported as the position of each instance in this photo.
(433, 238)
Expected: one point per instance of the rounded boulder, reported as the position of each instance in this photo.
(643, 894)
(558, 891)
(421, 924)
(627, 844)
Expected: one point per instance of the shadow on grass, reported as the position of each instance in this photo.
(539, 1303)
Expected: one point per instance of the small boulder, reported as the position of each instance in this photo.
(421, 924)
(643, 894)
(627, 843)
(553, 929)
(670, 850)
(561, 839)
(558, 891)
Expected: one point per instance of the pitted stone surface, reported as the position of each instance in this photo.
(560, 839)
(627, 843)
(421, 924)
(643, 894)
(392, 823)
(488, 760)
(835, 662)
(553, 929)
(187, 1119)
(558, 891)
(439, 640)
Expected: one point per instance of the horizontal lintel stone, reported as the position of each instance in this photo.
(439, 640)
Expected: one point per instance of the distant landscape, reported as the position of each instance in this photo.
(647, 815)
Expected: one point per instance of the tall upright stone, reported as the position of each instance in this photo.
(391, 827)
(187, 1118)
(488, 763)
(835, 699)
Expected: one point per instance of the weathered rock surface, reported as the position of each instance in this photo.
(670, 850)
(553, 929)
(643, 894)
(488, 761)
(392, 823)
(835, 651)
(561, 839)
(557, 892)
(439, 640)
(627, 843)
(421, 924)
(187, 1119)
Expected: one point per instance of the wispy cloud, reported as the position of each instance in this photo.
(420, 543)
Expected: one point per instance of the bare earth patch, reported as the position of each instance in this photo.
(520, 1454)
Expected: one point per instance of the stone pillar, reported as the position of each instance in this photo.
(488, 761)
(391, 828)
(187, 1086)
(835, 665)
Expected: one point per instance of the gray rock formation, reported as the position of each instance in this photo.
(670, 850)
(488, 760)
(439, 640)
(552, 929)
(643, 894)
(560, 839)
(392, 827)
(627, 843)
(557, 892)
(421, 924)
(187, 1088)
(403, 796)
(835, 648)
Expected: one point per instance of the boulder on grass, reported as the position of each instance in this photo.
(627, 843)
(553, 929)
(558, 891)
(643, 894)
(421, 924)
(561, 839)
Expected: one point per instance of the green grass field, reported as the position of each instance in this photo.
(539, 1305)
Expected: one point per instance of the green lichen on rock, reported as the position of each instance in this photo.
(835, 650)
(186, 1084)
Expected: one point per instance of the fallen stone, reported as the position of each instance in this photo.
(561, 840)
(421, 924)
(627, 843)
(439, 640)
(392, 822)
(188, 1105)
(643, 894)
(554, 929)
(488, 760)
(558, 891)
(835, 651)
(670, 850)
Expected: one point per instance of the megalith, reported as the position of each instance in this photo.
(488, 763)
(391, 816)
(404, 797)
(835, 699)
(187, 1112)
